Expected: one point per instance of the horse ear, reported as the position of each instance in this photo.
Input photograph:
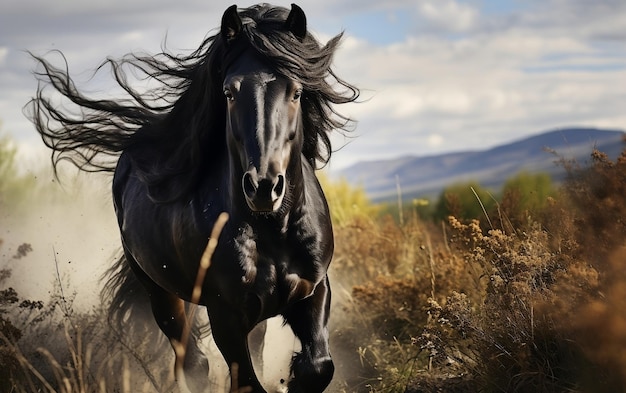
(231, 23)
(296, 22)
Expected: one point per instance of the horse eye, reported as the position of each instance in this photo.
(229, 95)
(297, 95)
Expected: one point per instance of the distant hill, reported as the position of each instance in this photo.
(428, 176)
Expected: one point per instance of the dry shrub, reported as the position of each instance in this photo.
(53, 347)
(536, 305)
(501, 340)
(599, 326)
(595, 199)
(84, 355)
(594, 316)
(548, 313)
(366, 248)
(10, 304)
(389, 270)
(9, 364)
(394, 305)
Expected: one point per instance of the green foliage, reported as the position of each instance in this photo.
(523, 197)
(464, 200)
(346, 201)
(420, 207)
(7, 165)
(532, 190)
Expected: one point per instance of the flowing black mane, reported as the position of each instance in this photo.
(179, 124)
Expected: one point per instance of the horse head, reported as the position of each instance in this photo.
(264, 118)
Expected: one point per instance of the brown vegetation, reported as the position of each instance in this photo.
(531, 301)
(524, 295)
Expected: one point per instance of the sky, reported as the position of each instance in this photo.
(436, 75)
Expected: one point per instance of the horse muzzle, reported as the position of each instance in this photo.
(263, 195)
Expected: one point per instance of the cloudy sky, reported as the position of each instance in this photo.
(436, 75)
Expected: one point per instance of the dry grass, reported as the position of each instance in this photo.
(534, 301)
(531, 301)
(92, 356)
(62, 350)
(86, 367)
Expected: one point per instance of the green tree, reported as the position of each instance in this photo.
(464, 201)
(533, 190)
(524, 198)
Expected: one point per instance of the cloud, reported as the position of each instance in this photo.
(472, 77)
(595, 20)
(507, 76)
(448, 15)
(435, 140)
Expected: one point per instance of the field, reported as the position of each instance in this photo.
(514, 297)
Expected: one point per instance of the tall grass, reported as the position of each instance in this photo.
(530, 300)
(59, 349)
(84, 352)
(534, 301)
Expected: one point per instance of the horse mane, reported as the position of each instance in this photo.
(174, 131)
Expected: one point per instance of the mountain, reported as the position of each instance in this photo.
(428, 176)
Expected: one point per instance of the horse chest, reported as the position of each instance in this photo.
(276, 269)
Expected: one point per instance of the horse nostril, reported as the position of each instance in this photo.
(279, 187)
(249, 185)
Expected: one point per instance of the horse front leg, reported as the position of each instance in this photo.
(312, 368)
(191, 365)
(230, 334)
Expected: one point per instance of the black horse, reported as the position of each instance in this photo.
(238, 126)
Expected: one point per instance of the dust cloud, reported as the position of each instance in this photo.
(73, 235)
(72, 230)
